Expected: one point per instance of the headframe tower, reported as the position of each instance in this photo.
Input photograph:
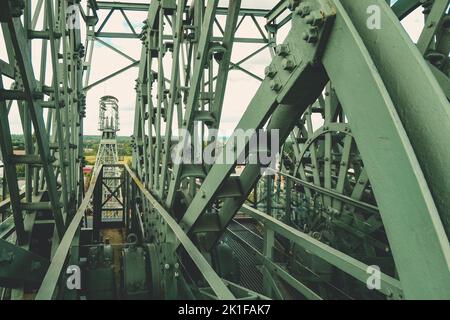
(107, 154)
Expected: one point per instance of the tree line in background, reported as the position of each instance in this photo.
(91, 144)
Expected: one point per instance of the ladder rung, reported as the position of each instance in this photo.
(51, 104)
(32, 159)
(111, 178)
(49, 90)
(206, 96)
(44, 221)
(56, 146)
(45, 34)
(26, 159)
(36, 206)
(113, 209)
(6, 94)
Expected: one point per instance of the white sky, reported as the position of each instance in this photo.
(240, 88)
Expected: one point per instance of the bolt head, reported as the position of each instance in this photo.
(292, 4)
(275, 85)
(282, 50)
(312, 35)
(270, 72)
(288, 64)
(303, 9)
(315, 18)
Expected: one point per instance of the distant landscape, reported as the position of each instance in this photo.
(91, 144)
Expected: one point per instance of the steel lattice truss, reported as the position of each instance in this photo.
(362, 178)
(108, 153)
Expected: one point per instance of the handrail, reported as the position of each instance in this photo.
(6, 203)
(362, 205)
(216, 283)
(50, 282)
(355, 268)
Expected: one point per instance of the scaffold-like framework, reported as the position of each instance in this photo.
(361, 184)
(107, 154)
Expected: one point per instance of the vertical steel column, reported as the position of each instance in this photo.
(97, 206)
(288, 199)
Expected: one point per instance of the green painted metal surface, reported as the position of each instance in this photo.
(361, 180)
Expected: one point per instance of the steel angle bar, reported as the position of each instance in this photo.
(216, 283)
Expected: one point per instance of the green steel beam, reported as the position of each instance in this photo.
(127, 35)
(216, 283)
(389, 286)
(105, 5)
(63, 153)
(404, 201)
(276, 11)
(278, 270)
(10, 169)
(397, 135)
(442, 79)
(301, 86)
(20, 266)
(222, 73)
(173, 94)
(432, 24)
(123, 54)
(50, 283)
(115, 73)
(402, 8)
(35, 112)
(194, 90)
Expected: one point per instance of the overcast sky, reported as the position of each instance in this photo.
(240, 89)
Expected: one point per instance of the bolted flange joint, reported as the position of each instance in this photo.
(312, 35)
(303, 9)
